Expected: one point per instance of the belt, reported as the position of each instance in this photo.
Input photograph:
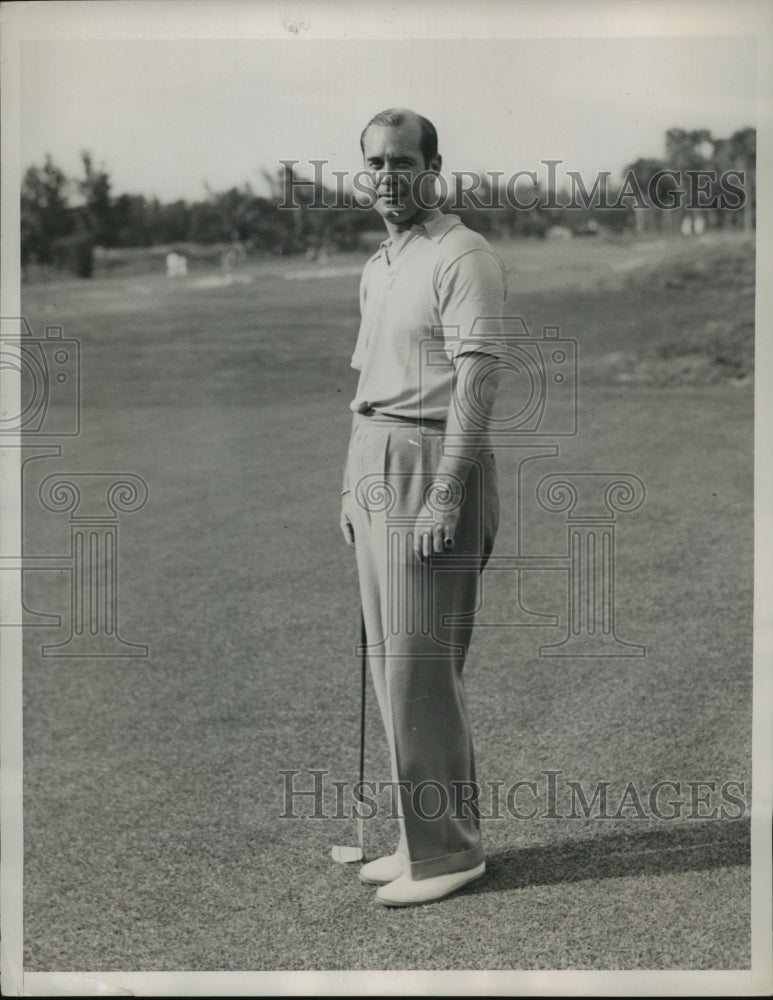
(399, 418)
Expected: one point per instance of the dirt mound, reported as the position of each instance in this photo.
(705, 288)
(694, 262)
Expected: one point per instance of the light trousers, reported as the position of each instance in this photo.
(419, 620)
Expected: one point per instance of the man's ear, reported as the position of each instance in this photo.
(435, 164)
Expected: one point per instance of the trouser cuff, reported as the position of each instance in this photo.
(447, 864)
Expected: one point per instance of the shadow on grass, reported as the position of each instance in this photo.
(708, 844)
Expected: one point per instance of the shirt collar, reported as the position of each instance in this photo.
(435, 226)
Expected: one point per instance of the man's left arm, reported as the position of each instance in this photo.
(469, 416)
(472, 301)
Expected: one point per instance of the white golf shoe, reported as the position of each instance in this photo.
(383, 870)
(404, 891)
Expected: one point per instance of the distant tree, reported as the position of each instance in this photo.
(743, 149)
(725, 159)
(697, 150)
(131, 221)
(97, 212)
(617, 219)
(169, 223)
(645, 171)
(689, 149)
(235, 208)
(744, 145)
(45, 215)
(206, 223)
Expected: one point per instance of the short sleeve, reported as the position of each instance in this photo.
(472, 292)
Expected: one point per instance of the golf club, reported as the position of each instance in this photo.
(340, 852)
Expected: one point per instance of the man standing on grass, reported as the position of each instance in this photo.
(420, 499)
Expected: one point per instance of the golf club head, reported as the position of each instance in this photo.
(345, 855)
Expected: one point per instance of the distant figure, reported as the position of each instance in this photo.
(317, 250)
(233, 256)
(693, 225)
(176, 265)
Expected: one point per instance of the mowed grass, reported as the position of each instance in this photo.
(153, 787)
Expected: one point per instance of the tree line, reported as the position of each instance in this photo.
(63, 219)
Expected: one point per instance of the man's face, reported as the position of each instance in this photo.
(393, 157)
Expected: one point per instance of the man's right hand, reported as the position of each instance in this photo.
(346, 525)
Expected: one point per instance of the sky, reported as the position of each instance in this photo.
(166, 117)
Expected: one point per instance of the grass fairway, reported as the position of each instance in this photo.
(153, 792)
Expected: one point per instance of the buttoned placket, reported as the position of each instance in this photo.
(391, 271)
(398, 249)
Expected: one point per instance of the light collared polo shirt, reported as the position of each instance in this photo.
(426, 298)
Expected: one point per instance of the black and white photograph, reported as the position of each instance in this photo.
(386, 553)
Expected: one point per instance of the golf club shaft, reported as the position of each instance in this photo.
(363, 678)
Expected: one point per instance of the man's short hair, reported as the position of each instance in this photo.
(393, 118)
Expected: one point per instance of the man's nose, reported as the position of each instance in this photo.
(387, 177)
